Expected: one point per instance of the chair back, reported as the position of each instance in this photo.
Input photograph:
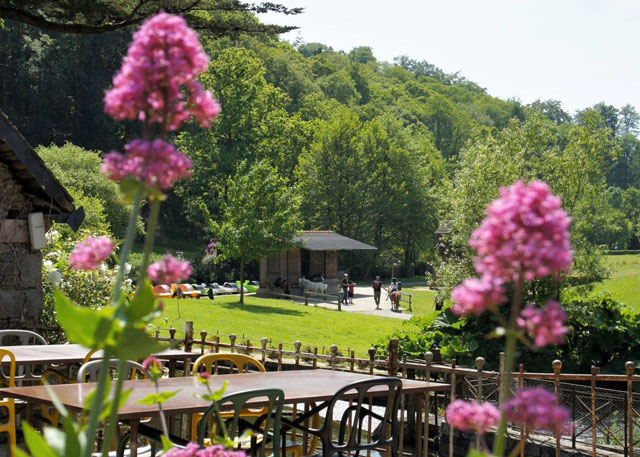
(9, 375)
(22, 338)
(352, 434)
(242, 363)
(266, 428)
(88, 372)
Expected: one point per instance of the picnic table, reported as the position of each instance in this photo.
(300, 386)
(66, 354)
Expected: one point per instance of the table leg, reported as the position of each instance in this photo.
(418, 424)
(133, 444)
(401, 444)
(426, 424)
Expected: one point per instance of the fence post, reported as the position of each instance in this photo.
(216, 341)
(500, 375)
(306, 298)
(315, 359)
(557, 366)
(263, 343)
(172, 335)
(334, 351)
(297, 345)
(372, 357)
(452, 397)
(188, 335)
(480, 365)
(203, 339)
(279, 356)
(630, 367)
(428, 360)
(594, 373)
(393, 356)
(232, 340)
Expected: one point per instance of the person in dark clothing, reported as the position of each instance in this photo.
(345, 289)
(377, 289)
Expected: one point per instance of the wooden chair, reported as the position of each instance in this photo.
(9, 426)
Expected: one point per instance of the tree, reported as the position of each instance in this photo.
(216, 17)
(260, 217)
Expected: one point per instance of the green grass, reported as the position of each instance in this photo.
(422, 300)
(624, 284)
(281, 321)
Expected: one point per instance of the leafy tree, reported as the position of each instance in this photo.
(212, 16)
(260, 217)
(362, 54)
(552, 110)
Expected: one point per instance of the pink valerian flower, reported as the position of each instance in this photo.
(89, 254)
(537, 409)
(525, 234)
(156, 80)
(169, 270)
(472, 416)
(150, 362)
(476, 295)
(157, 163)
(545, 326)
(193, 450)
(204, 375)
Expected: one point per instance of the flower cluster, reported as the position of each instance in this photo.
(472, 416)
(169, 270)
(193, 450)
(90, 254)
(151, 363)
(525, 234)
(545, 326)
(164, 58)
(476, 295)
(157, 163)
(537, 409)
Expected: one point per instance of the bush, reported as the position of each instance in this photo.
(604, 332)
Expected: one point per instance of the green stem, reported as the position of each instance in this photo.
(510, 356)
(96, 404)
(127, 245)
(115, 402)
(151, 235)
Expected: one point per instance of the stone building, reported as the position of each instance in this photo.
(315, 254)
(26, 186)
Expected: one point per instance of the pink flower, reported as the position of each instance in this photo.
(157, 163)
(193, 450)
(151, 361)
(155, 82)
(545, 326)
(476, 295)
(169, 270)
(89, 254)
(205, 375)
(472, 416)
(525, 234)
(537, 409)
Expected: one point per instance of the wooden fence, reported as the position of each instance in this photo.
(603, 407)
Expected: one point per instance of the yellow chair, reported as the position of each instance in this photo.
(209, 363)
(10, 426)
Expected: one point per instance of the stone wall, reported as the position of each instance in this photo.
(20, 267)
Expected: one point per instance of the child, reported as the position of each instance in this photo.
(351, 288)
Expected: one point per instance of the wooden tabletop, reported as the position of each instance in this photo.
(299, 387)
(72, 353)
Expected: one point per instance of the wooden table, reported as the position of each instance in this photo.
(66, 354)
(302, 386)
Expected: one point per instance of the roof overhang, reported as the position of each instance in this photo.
(330, 241)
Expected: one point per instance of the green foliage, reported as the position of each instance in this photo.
(79, 171)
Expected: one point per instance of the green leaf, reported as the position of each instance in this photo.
(215, 396)
(108, 405)
(128, 187)
(157, 398)
(84, 326)
(37, 444)
(134, 343)
(166, 444)
(142, 304)
(72, 444)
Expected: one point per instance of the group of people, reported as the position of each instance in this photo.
(392, 289)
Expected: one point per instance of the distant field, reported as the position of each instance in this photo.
(280, 320)
(422, 300)
(624, 284)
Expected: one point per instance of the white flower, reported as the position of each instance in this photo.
(52, 236)
(103, 268)
(48, 265)
(54, 277)
(126, 269)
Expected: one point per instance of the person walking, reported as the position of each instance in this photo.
(377, 289)
(345, 289)
(352, 286)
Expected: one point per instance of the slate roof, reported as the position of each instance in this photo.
(325, 240)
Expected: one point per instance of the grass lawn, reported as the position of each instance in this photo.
(421, 300)
(624, 284)
(281, 321)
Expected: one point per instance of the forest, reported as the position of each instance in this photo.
(384, 152)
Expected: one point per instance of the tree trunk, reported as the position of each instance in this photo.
(242, 281)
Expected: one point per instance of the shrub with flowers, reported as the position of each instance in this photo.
(157, 86)
(525, 236)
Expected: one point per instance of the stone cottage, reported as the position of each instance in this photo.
(26, 186)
